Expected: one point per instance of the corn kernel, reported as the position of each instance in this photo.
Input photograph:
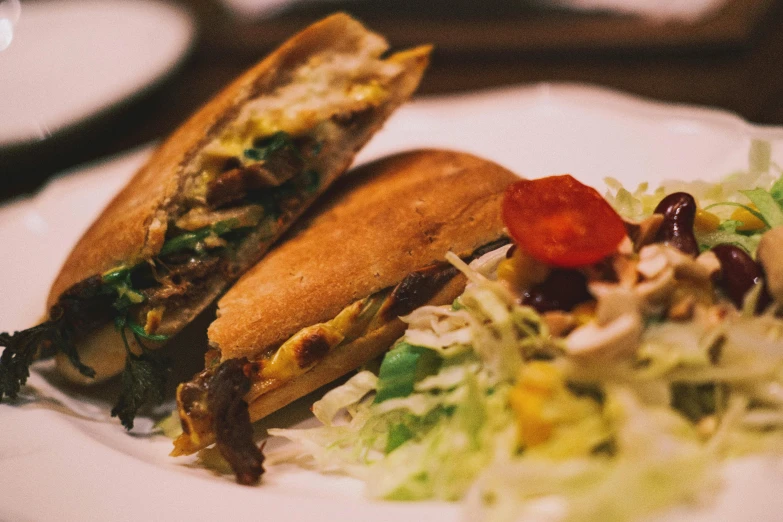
(706, 221)
(750, 222)
(532, 428)
(584, 312)
(538, 382)
(540, 377)
(506, 272)
(521, 271)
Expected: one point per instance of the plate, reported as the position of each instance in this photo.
(689, 12)
(528, 27)
(63, 458)
(71, 60)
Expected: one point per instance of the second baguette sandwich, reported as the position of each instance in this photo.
(327, 299)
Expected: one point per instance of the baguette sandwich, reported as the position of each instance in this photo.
(328, 299)
(209, 203)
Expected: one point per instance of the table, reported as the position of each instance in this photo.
(732, 61)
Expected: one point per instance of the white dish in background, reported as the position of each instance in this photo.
(691, 11)
(83, 466)
(71, 60)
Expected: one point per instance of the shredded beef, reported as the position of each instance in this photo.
(231, 420)
(420, 286)
(179, 278)
(417, 288)
(234, 185)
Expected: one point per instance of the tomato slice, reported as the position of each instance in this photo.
(561, 222)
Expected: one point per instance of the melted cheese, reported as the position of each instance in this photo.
(301, 352)
(326, 85)
(298, 354)
(290, 361)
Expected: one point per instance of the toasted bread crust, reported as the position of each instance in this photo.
(386, 220)
(132, 227)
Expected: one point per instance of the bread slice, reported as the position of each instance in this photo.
(320, 303)
(330, 86)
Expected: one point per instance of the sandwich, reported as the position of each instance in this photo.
(209, 203)
(328, 298)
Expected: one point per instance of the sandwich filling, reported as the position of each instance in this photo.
(255, 177)
(237, 194)
(200, 408)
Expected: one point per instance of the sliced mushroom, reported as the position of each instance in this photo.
(682, 308)
(619, 337)
(657, 291)
(654, 258)
(686, 267)
(559, 323)
(625, 247)
(644, 232)
(710, 262)
(770, 255)
(615, 302)
(626, 270)
(601, 288)
(652, 261)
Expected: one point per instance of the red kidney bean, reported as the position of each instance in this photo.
(738, 274)
(679, 213)
(562, 290)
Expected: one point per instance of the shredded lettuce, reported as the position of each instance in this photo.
(777, 191)
(402, 367)
(344, 396)
(720, 198)
(727, 233)
(769, 209)
(658, 461)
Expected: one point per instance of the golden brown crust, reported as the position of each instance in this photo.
(343, 359)
(387, 219)
(123, 233)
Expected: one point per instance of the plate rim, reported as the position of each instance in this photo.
(184, 17)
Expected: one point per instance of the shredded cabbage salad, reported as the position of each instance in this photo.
(621, 406)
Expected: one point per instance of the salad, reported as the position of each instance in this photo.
(599, 368)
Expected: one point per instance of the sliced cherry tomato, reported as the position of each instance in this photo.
(561, 222)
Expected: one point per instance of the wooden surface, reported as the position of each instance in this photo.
(731, 61)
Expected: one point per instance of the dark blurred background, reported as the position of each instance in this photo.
(731, 59)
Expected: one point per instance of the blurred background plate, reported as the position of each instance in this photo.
(70, 61)
(726, 58)
(460, 26)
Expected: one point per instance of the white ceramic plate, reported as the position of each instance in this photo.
(71, 60)
(658, 10)
(62, 458)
